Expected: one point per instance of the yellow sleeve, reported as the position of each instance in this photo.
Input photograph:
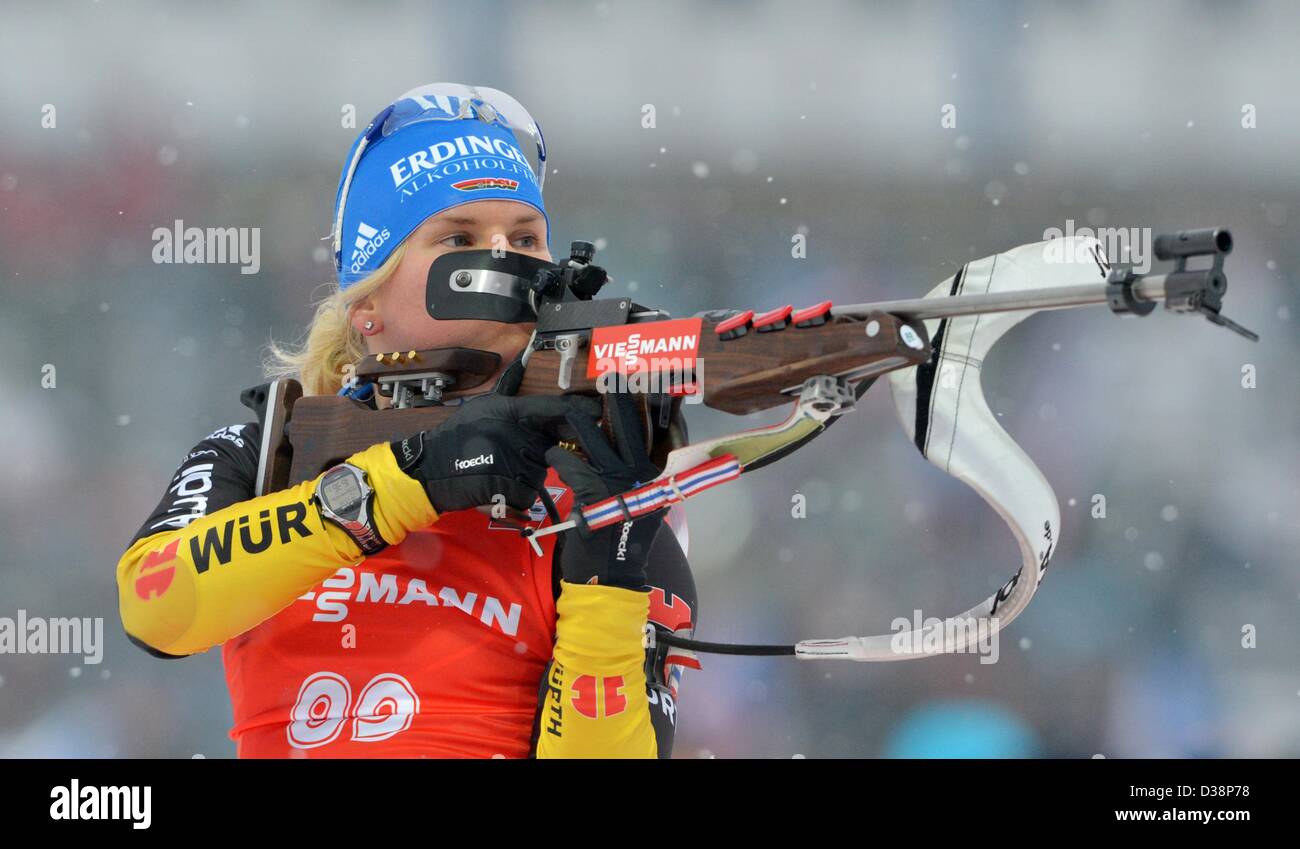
(183, 591)
(595, 702)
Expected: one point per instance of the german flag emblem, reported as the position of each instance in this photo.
(486, 183)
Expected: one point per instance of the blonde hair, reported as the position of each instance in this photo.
(320, 362)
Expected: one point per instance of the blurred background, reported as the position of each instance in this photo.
(772, 119)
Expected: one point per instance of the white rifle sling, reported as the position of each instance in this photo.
(942, 409)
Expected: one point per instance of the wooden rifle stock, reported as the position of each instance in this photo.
(741, 370)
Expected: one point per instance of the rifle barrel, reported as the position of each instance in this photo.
(1150, 288)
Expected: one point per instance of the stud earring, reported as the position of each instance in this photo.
(370, 325)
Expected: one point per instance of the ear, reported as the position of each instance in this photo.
(364, 316)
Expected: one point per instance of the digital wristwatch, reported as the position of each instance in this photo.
(345, 497)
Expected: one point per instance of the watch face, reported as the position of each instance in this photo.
(341, 492)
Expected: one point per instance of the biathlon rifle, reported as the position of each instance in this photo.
(817, 361)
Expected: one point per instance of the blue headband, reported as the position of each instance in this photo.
(417, 171)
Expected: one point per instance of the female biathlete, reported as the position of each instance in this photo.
(374, 611)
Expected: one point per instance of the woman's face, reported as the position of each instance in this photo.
(401, 321)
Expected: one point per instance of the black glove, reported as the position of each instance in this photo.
(615, 555)
(492, 445)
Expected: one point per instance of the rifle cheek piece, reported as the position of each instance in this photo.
(508, 287)
(478, 285)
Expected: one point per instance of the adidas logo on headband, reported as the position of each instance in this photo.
(368, 241)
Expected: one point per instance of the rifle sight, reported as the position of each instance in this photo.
(1185, 243)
